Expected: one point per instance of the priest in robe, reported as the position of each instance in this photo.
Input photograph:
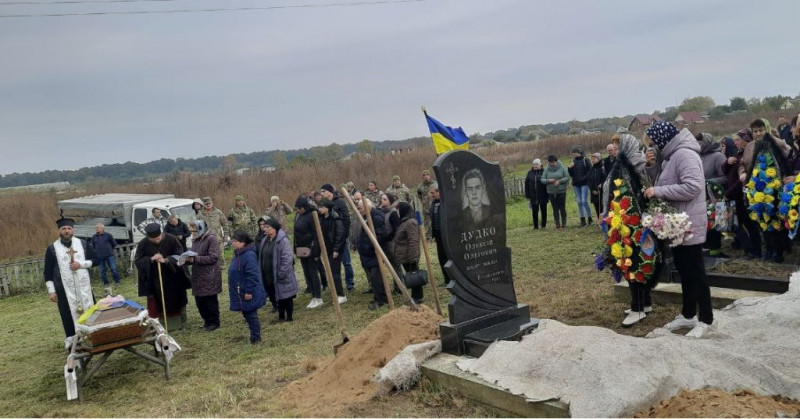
(66, 275)
(158, 249)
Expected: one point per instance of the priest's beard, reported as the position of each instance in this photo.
(66, 237)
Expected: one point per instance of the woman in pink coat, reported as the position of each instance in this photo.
(682, 185)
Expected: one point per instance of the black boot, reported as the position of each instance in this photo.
(583, 221)
(589, 221)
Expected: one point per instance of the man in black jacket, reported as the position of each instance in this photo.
(335, 235)
(340, 207)
(370, 260)
(579, 170)
(436, 228)
(177, 228)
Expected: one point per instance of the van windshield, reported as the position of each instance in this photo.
(184, 212)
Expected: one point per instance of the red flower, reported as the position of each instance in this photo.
(647, 268)
(627, 241)
(645, 257)
(640, 277)
(625, 203)
(634, 220)
(637, 236)
(614, 236)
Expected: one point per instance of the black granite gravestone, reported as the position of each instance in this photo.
(483, 305)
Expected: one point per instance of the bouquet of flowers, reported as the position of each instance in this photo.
(762, 189)
(787, 209)
(629, 251)
(720, 216)
(667, 223)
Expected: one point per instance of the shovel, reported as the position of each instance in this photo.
(329, 277)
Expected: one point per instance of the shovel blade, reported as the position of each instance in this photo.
(71, 380)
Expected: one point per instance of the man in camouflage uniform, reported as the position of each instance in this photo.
(425, 199)
(278, 210)
(216, 222)
(242, 217)
(373, 193)
(398, 189)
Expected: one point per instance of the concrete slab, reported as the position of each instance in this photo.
(442, 370)
(671, 293)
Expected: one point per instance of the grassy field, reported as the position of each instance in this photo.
(220, 374)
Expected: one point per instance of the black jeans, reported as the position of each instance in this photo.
(286, 308)
(208, 307)
(376, 281)
(713, 240)
(694, 284)
(538, 207)
(752, 243)
(311, 274)
(416, 293)
(596, 202)
(559, 202)
(640, 296)
(775, 242)
(336, 272)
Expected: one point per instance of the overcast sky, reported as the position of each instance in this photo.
(82, 91)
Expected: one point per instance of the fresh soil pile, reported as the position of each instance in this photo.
(347, 378)
(718, 404)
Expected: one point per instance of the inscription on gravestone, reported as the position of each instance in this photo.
(473, 219)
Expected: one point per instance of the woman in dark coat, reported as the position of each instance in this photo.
(406, 245)
(277, 267)
(245, 288)
(269, 285)
(536, 194)
(206, 274)
(596, 178)
(305, 238)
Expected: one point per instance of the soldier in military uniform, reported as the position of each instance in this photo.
(216, 222)
(398, 189)
(373, 193)
(425, 201)
(242, 217)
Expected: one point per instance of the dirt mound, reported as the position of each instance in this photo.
(719, 404)
(347, 378)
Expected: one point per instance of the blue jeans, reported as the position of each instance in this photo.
(348, 266)
(254, 324)
(111, 261)
(582, 196)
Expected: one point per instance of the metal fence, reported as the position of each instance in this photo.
(28, 275)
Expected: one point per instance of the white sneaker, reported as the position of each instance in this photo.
(315, 302)
(633, 318)
(342, 299)
(681, 322)
(647, 309)
(698, 331)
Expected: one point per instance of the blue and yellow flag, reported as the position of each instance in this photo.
(446, 138)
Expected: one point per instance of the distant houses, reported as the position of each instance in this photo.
(641, 122)
(689, 118)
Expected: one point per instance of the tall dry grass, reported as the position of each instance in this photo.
(28, 218)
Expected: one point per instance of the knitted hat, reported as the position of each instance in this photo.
(745, 134)
(536, 161)
(238, 198)
(274, 198)
(395, 177)
(426, 172)
(577, 149)
(661, 133)
(328, 187)
(273, 223)
(207, 200)
(598, 156)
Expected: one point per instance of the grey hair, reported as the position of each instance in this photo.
(434, 185)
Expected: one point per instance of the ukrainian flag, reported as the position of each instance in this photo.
(446, 138)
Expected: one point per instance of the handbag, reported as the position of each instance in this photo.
(417, 278)
(303, 252)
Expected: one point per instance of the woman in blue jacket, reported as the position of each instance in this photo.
(244, 283)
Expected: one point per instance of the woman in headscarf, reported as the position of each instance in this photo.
(682, 185)
(277, 268)
(269, 285)
(406, 245)
(245, 288)
(206, 274)
(629, 166)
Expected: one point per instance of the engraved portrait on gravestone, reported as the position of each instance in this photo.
(476, 206)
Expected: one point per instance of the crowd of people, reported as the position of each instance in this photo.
(262, 270)
(672, 165)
